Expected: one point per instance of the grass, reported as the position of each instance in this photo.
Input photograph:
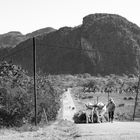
(60, 130)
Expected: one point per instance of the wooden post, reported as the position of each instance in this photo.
(97, 99)
(45, 115)
(34, 74)
(108, 95)
(136, 98)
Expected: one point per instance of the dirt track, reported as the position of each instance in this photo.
(110, 131)
(68, 106)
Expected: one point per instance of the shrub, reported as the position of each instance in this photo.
(121, 105)
(131, 76)
(130, 98)
(16, 94)
(125, 98)
(89, 96)
(83, 97)
(86, 75)
(79, 117)
(91, 86)
(16, 107)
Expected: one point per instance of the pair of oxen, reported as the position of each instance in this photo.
(95, 113)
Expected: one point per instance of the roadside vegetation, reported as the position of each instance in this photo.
(17, 97)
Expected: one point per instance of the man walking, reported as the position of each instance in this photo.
(111, 108)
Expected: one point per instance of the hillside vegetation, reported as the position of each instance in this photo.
(17, 96)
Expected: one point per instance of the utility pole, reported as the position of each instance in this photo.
(34, 74)
(136, 98)
(108, 95)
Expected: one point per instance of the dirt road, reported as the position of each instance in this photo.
(68, 106)
(110, 131)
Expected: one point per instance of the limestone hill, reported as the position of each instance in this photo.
(103, 44)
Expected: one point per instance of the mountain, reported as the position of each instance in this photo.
(103, 44)
(11, 39)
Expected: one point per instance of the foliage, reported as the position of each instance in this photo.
(79, 117)
(17, 96)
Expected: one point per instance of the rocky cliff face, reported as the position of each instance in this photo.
(116, 42)
(103, 44)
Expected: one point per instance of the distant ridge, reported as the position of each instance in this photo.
(40, 32)
(11, 39)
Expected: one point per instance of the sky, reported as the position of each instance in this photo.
(29, 15)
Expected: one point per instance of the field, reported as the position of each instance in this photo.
(124, 108)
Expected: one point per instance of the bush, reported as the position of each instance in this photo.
(121, 105)
(125, 98)
(17, 98)
(79, 117)
(123, 116)
(86, 75)
(16, 107)
(91, 86)
(130, 98)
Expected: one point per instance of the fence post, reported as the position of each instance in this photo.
(97, 99)
(45, 115)
(108, 95)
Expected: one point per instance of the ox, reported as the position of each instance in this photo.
(101, 109)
